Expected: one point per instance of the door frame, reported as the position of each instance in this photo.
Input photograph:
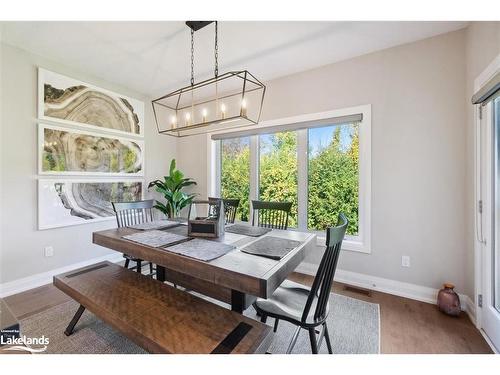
(483, 164)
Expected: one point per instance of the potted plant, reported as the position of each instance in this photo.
(171, 188)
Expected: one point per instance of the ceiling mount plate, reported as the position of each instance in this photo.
(197, 25)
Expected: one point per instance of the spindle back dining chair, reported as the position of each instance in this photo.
(305, 307)
(132, 213)
(271, 214)
(230, 207)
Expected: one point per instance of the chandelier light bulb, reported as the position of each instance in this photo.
(173, 121)
(243, 110)
(204, 115)
(223, 110)
(188, 118)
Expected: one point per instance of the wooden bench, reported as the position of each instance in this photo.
(157, 317)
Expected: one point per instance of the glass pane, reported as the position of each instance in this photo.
(496, 251)
(235, 173)
(278, 170)
(333, 176)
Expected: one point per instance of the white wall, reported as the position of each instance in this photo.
(418, 152)
(21, 243)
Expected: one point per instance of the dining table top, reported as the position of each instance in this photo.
(246, 273)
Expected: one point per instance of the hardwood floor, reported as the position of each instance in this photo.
(407, 326)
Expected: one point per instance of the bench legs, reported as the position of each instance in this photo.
(76, 318)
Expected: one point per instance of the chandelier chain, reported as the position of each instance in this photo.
(216, 51)
(192, 57)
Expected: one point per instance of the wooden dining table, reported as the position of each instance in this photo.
(237, 278)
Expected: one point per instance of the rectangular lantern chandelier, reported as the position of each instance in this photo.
(227, 101)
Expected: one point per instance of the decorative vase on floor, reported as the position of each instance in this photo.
(448, 301)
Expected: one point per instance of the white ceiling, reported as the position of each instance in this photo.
(154, 57)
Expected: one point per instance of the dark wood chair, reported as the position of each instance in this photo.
(230, 207)
(305, 307)
(132, 213)
(271, 214)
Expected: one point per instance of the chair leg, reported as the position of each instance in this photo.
(327, 338)
(127, 261)
(139, 266)
(312, 338)
(263, 318)
(294, 340)
(276, 321)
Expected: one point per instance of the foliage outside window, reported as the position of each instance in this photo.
(332, 164)
(235, 173)
(278, 170)
(333, 185)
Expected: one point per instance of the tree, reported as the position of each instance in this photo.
(278, 171)
(333, 185)
(235, 181)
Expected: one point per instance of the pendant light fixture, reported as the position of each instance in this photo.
(226, 101)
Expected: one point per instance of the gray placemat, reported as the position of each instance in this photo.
(271, 247)
(155, 224)
(247, 230)
(201, 249)
(155, 238)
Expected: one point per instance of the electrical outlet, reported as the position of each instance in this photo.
(48, 251)
(405, 261)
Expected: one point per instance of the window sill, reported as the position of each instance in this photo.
(348, 245)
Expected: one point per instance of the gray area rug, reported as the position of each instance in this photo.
(354, 328)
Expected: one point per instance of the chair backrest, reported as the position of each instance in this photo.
(230, 207)
(323, 280)
(131, 213)
(271, 214)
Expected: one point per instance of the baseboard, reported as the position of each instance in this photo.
(394, 287)
(30, 282)
(488, 341)
(470, 307)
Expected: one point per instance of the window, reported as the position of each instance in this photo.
(333, 177)
(278, 170)
(320, 162)
(235, 173)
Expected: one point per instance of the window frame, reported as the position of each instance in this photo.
(361, 242)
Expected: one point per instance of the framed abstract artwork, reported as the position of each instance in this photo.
(67, 151)
(64, 202)
(67, 100)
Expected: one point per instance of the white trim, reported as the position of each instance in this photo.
(488, 341)
(394, 287)
(40, 108)
(482, 191)
(34, 281)
(362, 242)
(42, 126)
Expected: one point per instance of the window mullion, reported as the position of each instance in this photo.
(302, 178)
(254, 171)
